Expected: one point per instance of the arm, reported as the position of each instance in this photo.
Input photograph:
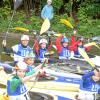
(36, 47)
(74, 43)
(7, 68)
(58, 44)
(38, 67)
(42, 13)
(52, 14)
(27, 78)
(90, 74)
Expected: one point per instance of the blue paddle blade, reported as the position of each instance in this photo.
(17, 3)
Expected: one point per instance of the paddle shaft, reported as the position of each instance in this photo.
(9, 25)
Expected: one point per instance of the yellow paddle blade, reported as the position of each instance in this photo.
(86, 57)
(66, 22)
(45, 26)
(57, 35)
(4, 97)
(90, 44)
(97, 46)
(21, 29)
(49, 53)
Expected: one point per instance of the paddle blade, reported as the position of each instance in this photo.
(57, 35)
(66, 22)
(86, 57)
(91, 44)
(45, 26)
(97, 46)
(21, 29)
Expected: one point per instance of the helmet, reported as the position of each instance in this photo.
(24, 37)
(43, 41)
(49, 1)
(30, 55)
(64, 40)
(21, 65)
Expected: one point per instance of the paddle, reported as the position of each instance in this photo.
(21, 29)
(91, 44)
(86, 57)
(17, 3)
(45, 26)
(66, 22)
(37, 76)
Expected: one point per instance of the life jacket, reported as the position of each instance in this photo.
(87, 84)
(92, 87)
(42, 53)
(21, 52)
(21, 89)
(65, 53)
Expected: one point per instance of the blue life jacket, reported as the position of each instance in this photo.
(42, 53)
(23, 51)
(21, 89)
(87, 84)
(65, 53)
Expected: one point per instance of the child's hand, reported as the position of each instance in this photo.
(1, 68)
(4, 43)
(46, 60)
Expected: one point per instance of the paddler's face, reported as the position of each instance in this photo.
(30, 61)
(96, 76)
(65, 44)
(43, 45)
(49, 2)
(25, 42)
(21, 73)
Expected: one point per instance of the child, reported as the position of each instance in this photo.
(41, 48)
(20, 50)
(29, 60)
(62, 46)
(90, 85)
(16, 88)
(78, 43)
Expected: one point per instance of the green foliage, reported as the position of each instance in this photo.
(57, 4)
(85, 13)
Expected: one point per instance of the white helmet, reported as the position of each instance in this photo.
(49, 1)
(43, 41)
(21, 65)
(24, 37)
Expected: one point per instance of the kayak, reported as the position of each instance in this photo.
(57, 88)
(39, 94)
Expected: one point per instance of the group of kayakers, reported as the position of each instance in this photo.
(25, 70)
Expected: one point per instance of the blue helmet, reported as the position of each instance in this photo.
(64, 40)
